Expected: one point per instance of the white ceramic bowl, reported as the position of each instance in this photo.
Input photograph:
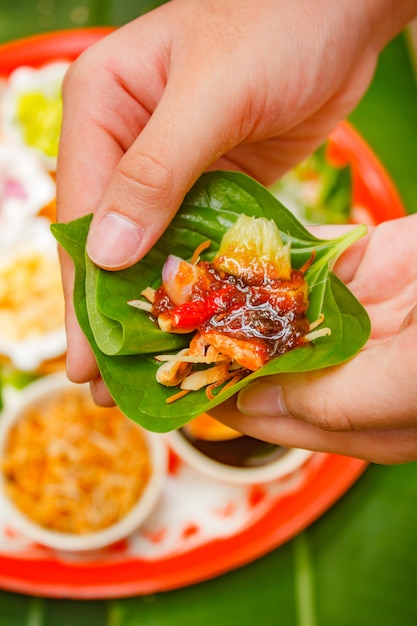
(31, 264)
(279, 467)
(43, 88)
(45, 388)
(25, 189)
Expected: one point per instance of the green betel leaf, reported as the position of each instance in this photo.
(125, 340)
(115, 327)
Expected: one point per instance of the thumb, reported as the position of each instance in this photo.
(374, 391)
(181, 139)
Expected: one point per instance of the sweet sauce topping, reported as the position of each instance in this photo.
(269, 314)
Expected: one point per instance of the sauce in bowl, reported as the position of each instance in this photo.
(216, 450)
(243, 451)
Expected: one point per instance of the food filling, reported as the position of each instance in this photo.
(244, 308)
(74, 467)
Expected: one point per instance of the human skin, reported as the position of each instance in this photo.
(196, 85)
(366, 407)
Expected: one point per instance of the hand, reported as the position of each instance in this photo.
(367, 407)
(196, 85)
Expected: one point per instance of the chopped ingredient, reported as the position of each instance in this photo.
(252, 248)
(74, 467)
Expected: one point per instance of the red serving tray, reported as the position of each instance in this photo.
(122, 574)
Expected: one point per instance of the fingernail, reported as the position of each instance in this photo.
(261, 398)
(114, 241)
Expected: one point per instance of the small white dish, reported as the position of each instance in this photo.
(280, 466)
(25, 189)
(32, 328)
(31, 109)
(35, 394)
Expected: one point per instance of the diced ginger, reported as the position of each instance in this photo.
(172, 373)
(202, 378)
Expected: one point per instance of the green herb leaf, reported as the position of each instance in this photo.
(124, 340)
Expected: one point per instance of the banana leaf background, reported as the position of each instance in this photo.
(356, 565)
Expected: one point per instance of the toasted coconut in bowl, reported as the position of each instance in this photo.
(75, 476)
(31, 299)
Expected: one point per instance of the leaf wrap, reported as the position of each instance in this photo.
(124, 340)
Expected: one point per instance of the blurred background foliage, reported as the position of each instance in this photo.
(19, 18)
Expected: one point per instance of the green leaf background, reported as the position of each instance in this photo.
(130, 338)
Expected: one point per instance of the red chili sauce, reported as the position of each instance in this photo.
(268, 313)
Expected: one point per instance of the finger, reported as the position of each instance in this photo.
(390, 446)
(374, 390)
(100, 393)
(184, 135)
(80, 361)
(101, 118)
(87, 158)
